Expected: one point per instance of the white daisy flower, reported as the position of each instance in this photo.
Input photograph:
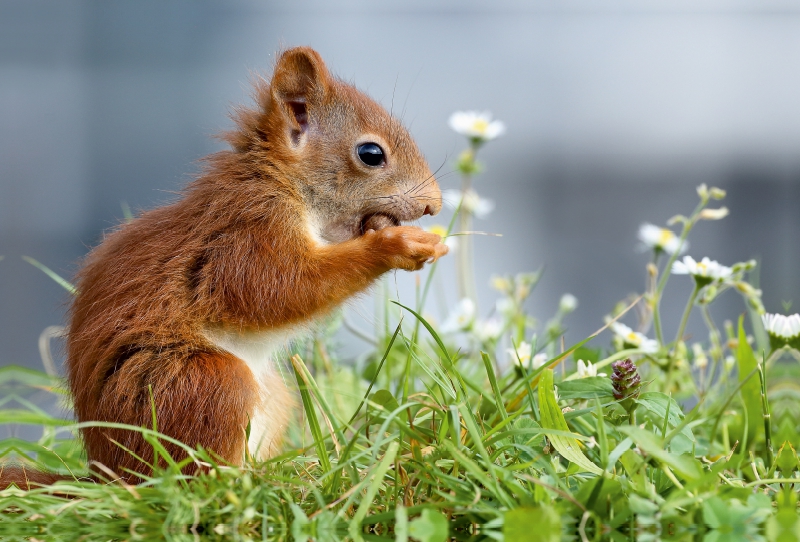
(476, 125)
(586, 369)
(521, 355)
(568, 303)
(473, 203)
(782, 329)
(705, 270)
(460, 318)
(634, 338)
(488, 330)
(654, 237)
(538, 360)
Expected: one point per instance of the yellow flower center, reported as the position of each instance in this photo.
(632, 338)
(665, 237)
(438, 229)
(480, 125)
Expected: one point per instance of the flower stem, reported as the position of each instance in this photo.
(686, 313)
(662, 283)
(465, 276)
(465, 269)
(681, 329)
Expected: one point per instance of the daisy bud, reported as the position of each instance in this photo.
(700, 358)
(702, 191)
(717, 193)
(714, 214)
(709, 293)
(568, 303)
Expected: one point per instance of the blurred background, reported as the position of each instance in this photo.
(615, 112)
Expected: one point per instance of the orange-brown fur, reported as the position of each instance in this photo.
(236, 252)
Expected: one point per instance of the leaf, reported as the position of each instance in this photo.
(597, 492)
(542, 523)
(656, 405)
(787, 459)
(593, 387)
(430, 526)
(751, 391)
(653, 445)
(588, 354)
(498, 396)
(732, 521)
(386, 400)
(552, 418)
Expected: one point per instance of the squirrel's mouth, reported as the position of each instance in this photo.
(378, 221)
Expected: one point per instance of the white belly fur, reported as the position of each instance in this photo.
(259, 351)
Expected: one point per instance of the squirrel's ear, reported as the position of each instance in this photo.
(300, 80)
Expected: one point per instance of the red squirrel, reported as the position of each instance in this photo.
(192, 299)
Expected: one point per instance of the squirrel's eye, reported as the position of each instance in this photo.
(371, 154)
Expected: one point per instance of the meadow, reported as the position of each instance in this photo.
(480, 428)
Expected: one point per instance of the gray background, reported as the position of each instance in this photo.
(615, 112)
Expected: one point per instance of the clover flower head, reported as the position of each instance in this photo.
(488, 330)
(654, 237)
(586, 369)
(461, 318)
(634, 338)
(625, 379)
(477, 126)
(568, 303)
(704, 271)
(782, 329)
(472, 203)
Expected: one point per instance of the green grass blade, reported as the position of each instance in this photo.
(52, 274)
(751, 390)
(552, 418)
(313, 423)
(498, 397)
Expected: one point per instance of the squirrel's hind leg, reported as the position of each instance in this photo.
(201, 399)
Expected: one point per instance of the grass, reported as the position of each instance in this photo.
(440, 433)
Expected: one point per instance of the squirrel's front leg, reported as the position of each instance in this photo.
(349, 267)
(260, 285)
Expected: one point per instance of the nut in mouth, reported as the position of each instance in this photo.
(378, 221)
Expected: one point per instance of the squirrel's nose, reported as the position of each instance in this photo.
(427, 211)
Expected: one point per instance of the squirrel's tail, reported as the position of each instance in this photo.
(26, 478)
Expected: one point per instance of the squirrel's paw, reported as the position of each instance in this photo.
(409, 247)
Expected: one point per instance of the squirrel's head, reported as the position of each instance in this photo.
(354, 165)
